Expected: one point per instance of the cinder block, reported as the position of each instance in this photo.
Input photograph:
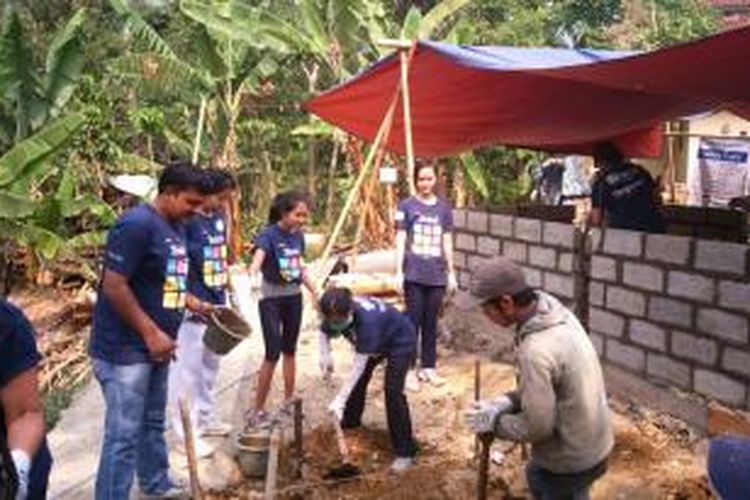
(596, 293)
(559, 234)
(501, 225)
(477, 222)
(642, 276)
(465, 242)
(610, 324)
(736, 361)
(529, 230)
(668, 370)
(670, 311)
(459, 259)
(459, 218)
(488, 246)
(560, 285)
(565, 262)
(719, 387)
(542, 257)
(622, 242)
(533, 276)
(723, 325)
(694, 347)
(691, 286)
(648, 335)
(598, 342)
(735, 295)
(721, 256)
(626, 355)
(472, 261)
(666, 248)
(603, 268)
(626, 301)
(515, 251)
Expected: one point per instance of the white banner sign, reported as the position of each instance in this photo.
(720, 171)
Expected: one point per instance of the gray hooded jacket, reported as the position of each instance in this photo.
(564, 411)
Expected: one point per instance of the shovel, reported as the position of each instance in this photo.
(346, 469)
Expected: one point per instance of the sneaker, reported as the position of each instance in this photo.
(412, 381)
(430, 376)
(215, 428)
(202, 448)
(179, 490)
(258, 419)
(402, 464)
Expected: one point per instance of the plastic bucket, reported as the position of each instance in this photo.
(252, 453)
(226, 328)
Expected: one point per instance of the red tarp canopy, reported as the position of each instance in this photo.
(549, 99)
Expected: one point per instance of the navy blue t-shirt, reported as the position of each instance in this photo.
(284, 251)
(18, 353)
(379, 328)
(425, 225)
(151, 253)
(207, 250)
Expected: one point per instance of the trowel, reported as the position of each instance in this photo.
(347, 469)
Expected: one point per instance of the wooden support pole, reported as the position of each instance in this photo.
(299, 450)
(187, 429)
(406, 105)
(273, 464)
(477, 394)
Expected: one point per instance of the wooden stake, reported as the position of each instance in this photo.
(187, 429)
(477, 394)
(298, 438)
(273, 464)
(406, 101)
(484, 466)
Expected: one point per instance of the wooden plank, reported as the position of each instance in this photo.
(723, 420)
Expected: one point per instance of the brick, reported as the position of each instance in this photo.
(596, 293)
(719, 387)
(603, 268)
(735, 295)
(533, 277)
(459, 218)
(668, 370)
(542, 257)
(560, 285)
(737, 361)
(691, 286)
(488, 246)
(529, 230)
(626, 301)
(501, 225)
(472, 261)
(598, 342)
(559, 234)
(625, 355)
(466, 242)
(515, 251)
(459, 259)
(643, 276)
(695, 348)
(648, 335)
(565, 262)
(670, 311)
(622, 242)
(610, 324)
(721, 256)
(723, 325)
(665, 248)
(477, 222)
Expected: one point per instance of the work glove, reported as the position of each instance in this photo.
(452, 284)
(481, 417)
(22, 462)
(336, 408)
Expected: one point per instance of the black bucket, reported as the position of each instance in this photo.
(226, 328)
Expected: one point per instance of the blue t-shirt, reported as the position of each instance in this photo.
(425, 225)
(151, 254)
(284, 251)
(207, 250)
(379, 328)
(18, 354)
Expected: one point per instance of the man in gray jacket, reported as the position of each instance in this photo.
(561, 404)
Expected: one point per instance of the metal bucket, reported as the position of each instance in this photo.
(252, 453)
(226, 328)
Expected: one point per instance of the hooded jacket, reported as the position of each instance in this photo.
(563, 403)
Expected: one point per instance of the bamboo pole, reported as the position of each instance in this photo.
(187, 429)
(406, 101)
(199, 131)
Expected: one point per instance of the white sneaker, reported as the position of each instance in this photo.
(402, 464)
(430, 376)
(412, 381)
(177, 491)
(202, 448)
(215, 428)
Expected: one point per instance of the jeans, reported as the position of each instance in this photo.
(423, 307)
(396, 405)
(136, 398)
(546, 485)
(280, 319)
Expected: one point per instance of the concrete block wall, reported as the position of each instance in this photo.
(673, 309)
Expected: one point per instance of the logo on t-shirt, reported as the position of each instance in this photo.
(427, 236)
(215, 261)
(175, 282)
(290, 264)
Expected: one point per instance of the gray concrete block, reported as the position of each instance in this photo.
(625, 355)
(459, 218)
(670, 311)
(459, 259)
(596, 293)
(648, 335)
(668, 370)
(626, 301)
(643, 276)
(694, 347)
(622, 242)
(691, 286)
(464, 241)
(723, 325)
(501, 225)
(598, 342)
(533, 276)
(528, 230)
(472, 261)
(565, 262)
(603, 268)
(542, 257)
(735, 295)
(559, 284)
(559, 234)
(488, 246)
(736, 361)
(477, 222)
(720, 387)
(667, 248)
(515, 251)
(605, 322)
(721, 256)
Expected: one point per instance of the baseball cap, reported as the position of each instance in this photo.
(490, 279)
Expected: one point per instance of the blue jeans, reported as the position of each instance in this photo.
(546, 485)
(136, 398)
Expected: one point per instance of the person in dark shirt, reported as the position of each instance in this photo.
(378, 332)
(623, 194)
(21, 414)
(141, 301)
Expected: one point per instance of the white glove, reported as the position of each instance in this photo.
(336, 408)
(452, 284)
(22, 461)
(480, 418)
